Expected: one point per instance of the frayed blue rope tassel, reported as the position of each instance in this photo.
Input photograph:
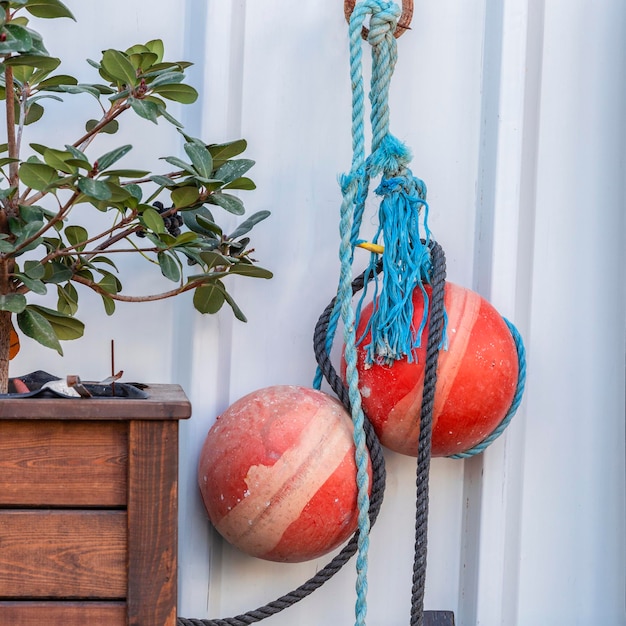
(406, 258)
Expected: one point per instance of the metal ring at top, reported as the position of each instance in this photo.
(404, 23)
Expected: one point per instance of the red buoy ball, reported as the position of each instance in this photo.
(476, 378)
(278, 476)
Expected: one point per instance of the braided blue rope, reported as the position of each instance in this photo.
(355, 187)
(517, 398)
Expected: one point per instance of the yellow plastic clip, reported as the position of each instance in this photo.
(371, 247)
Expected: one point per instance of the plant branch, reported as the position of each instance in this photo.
(151, 298)
(11, 140)
(141, 181)
(114, 111)
(22, 120)
(57, 218)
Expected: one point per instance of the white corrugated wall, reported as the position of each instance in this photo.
(516, 114)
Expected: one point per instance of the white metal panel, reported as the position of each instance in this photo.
(516, 116)
(572, 538)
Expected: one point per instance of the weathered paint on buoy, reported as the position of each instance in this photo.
(476, 379)
(277, 474)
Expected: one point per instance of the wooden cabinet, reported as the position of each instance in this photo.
(88, 510)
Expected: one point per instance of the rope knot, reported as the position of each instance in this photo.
(349, 182)
(383, 21)
(391, 157)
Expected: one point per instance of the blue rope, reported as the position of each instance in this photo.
(517, 398)
(355, 186)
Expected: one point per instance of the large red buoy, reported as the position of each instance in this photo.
(277, 474)
(476, 379)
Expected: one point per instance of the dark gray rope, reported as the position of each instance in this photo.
(435, 335)
(376, 498)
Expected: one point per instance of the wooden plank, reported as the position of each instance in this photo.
(438, 618)
(53, 463)
(63, 554)
(166, 402)
(152, 523)
(62, 613)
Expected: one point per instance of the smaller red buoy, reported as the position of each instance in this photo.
(476, 378)
(277, 474)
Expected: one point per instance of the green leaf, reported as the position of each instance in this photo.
(144, 108)
(185, 196)
(27, 231)
(96, 189)
(209, 298)
(127, 173)
(153, 220)
(106, 160)
(36, 286)
(201, 221)
(48, 9)
(8, 192)
(185, 94)
(23, 73)
(33, 113)
(228, 202)
(55, 81)
(224, 151)
(185, 238)
(247, 225)
(57, 272)
(142, 60)
(34, 60)
(37, 175)
(33, 324)
(14, 302)
(110, 129)
(243, 183)
(67, 299)
(76, 235)
(208, 225)
(214, 259)
(163, 181)
(176, 162)
(117, 65)
(109, 304)
(232, 170)
(105, 260)
(17, 37)
(76, 153)
(110, 283)
(90, 89)
(156, 46)
(65, 326)
(167, 78)
(34, 269)
(236, 310)
(200, 158)
(58, 160)
(135, 191)
(169, 266)
(253, 271)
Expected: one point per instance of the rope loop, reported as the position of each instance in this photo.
(404, 22)
(383, 22)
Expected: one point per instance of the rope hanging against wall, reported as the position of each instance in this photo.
(391, 331)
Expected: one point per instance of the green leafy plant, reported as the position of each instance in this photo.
(167, 218)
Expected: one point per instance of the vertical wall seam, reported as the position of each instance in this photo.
(482, 270)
